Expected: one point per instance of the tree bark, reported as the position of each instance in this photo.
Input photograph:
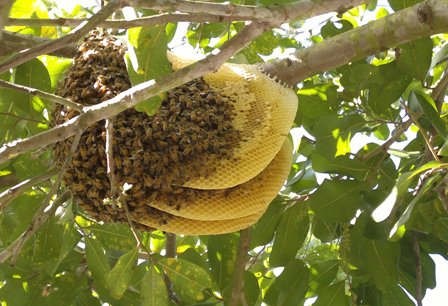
(424, 19)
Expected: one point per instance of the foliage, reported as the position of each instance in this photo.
(318, 237)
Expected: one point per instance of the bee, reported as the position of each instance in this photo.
(162, 144)
(77, 186)
(148, 133)
(148, 180)
(186, 151)
(97, 183)
(93, 193)
(173, 154)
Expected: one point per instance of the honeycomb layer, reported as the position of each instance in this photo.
(240, 201)
(179, 225)
(265, 112)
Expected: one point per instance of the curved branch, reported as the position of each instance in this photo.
(276, 14)
(133, 96)
(15, 42)
(42, 94)
(388, 32)
(73, 36)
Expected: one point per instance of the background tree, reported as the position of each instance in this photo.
(360, 236)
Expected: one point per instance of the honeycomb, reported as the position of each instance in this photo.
(239, 201)
(265, 113)
(182, 170)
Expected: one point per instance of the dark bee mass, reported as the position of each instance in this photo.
(154, 155)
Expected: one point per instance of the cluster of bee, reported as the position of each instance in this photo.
(154, 155)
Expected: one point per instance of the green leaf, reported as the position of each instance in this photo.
(333, 134)
(147, 60)
(322, 274)
(251, 288)
(153, 289)
(85, 298)
(263, 231)
(390, 84)
(32, 74)
(115, 236)
(440, 56)
(337, 201)
(385, 208)
(376, 258)
(290, 287)
(222, 251)
(312, 106)
(289, 236)
(335, 28)
(189, 280)
(415, 58)
(401, 4)
(340, 164)
(120, 276)
(426, 188)
(97, 261)
(193, 256)
(428, 106)
(395, 296)
(333, 295)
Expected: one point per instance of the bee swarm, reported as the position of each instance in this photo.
(154, 155)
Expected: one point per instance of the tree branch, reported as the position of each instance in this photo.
(388, 32)
(8, 195)
(38, 220)
(133, 96)
(240, 264)
(42, 94)
(8, 180)
(170, 245)
(14, 42)
(73, 36)
(5, 7)
(276, 14)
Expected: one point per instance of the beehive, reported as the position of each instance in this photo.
(194, 135)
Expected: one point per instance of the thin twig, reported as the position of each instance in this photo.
(10, 194)
(40, 217)
(385, 146)
(110, 159)
(438, 93)
(56, 44)
(240, 264)
(42, 94)
(414, 117)
(21, 117)
(418, 270)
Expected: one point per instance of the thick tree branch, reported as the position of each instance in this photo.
(7, 180)
(130, 23)
(42, 94)
(240, 267)
(133, 96)
(272, 14)
(170, 245)
(205, 12)
(73, 36)
(388, 32)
